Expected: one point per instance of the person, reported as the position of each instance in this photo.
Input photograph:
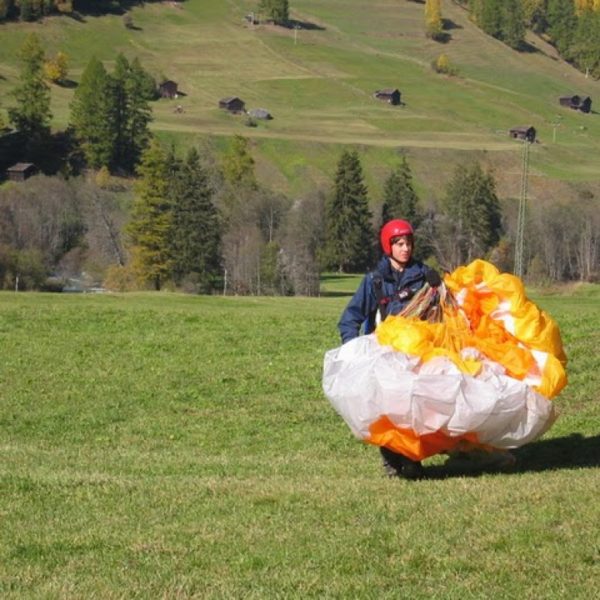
(386, 291)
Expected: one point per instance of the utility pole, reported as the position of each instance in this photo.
(520, 241)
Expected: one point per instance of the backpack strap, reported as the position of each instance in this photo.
(382, 299)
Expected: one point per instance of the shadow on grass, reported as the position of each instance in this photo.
(571, 452)
(334, 294)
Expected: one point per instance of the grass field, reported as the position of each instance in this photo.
(318, 85)
(170, 446)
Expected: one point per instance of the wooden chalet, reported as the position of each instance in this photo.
(168, 89)
(524, 132)
(21, 171)
(392, 96)
(232, 104)
(582, 103)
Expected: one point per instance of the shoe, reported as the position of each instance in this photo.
(398, 465)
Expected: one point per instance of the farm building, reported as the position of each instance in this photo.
(232, 104)
(388, 95)
(582, 103)
(21, 171)
(260, 113)
(168, 89)
(524, 132)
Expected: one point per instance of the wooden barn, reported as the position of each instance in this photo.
(232, 104)
(582, 103)
(524, 132)
(21, 171)
(168, 89)
(392, 96)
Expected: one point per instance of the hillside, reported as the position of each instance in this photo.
(318, 81)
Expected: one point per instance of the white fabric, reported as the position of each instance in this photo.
(365, 381)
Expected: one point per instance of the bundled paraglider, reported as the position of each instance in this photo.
(469, 362)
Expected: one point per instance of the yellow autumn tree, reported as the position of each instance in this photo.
(56, 69)
(582, 5)
(433, 19)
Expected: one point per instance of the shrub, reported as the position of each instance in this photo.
(442, 65)
(120, 279)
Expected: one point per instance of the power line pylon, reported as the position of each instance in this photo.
(520, 241)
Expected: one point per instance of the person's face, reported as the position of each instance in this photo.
(402, 249)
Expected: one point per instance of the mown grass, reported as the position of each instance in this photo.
(176, 446)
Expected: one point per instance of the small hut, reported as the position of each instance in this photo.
(261, 113)
(21, 171)
(168, 89)
(392, 96)
(232, 104)
(582, 103)
(523, 132)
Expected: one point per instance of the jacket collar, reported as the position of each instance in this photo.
(389, 274)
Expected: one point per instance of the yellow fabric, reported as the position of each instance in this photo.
(484, 295)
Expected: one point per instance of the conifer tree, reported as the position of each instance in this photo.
(512, 24)
(139, 93)
(474, 210)
(400, 200)
(118, 83)
(196, 227)
(32, 114)
(561, 24)
(92, 115)
(151, 222)
(349, 234)
(278, 10)
(585, 47)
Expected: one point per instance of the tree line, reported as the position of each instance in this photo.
(203, 223)
(572, 26)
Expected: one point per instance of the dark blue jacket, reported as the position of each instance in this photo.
(362, 308)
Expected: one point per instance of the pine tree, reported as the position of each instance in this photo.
(400, 200)
(118, 83)
(151, 224)
(32, 114)
(278, 10)
(474, 210)
(92, 115)
(561, 24)
(349, 234)
(585, 47)
(139, 93)
(196, 227)
(513, 24)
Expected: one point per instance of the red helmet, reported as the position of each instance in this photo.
(392, 229)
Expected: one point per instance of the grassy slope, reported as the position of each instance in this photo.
(320, 89)
(168, 446)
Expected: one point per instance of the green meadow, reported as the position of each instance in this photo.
(173, 446)
(318, 83)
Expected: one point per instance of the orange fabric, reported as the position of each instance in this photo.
(486, 297)
(405, 441)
